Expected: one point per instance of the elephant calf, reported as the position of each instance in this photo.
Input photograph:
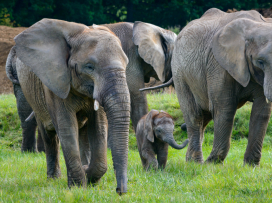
(154, 133)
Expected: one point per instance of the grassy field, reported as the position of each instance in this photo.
(23, 176)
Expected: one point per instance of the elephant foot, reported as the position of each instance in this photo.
(29, 149)
(94, 178)
(251, 162)
(152, 165)
(54, 175)
(79, 182)
(195, 156)
(216, 159)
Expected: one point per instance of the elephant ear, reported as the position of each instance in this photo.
(148, 129)
(44, 48)
(229, 47)
(154, 45)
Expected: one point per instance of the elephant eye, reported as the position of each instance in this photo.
(261, 63)
(89, 66)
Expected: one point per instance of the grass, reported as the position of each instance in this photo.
(23, 175)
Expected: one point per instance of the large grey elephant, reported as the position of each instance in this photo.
(149, 50)
(71, 75)
(220, 62)
(29, 142)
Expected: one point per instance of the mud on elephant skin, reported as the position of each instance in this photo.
(154, 133)
(64, 70)
(220, 62)
(29, 142)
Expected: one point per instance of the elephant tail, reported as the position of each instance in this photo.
(167, 84)
(30, 117)
(11, 67)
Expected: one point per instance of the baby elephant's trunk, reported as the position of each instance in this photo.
(173, 143)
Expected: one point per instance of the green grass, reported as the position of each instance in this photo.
(23, 175)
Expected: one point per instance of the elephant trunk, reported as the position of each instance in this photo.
(171, 141)
(268, 85)
(116, 102)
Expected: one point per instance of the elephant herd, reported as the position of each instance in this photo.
(82, 83)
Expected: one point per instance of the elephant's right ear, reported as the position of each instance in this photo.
(148, 129)
(154, 45)
(228, 47)
(44, 48)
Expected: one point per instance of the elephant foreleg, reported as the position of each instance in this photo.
(97, 133)
(259, 119)
(150, 159)
(51, 144)
(162, 156)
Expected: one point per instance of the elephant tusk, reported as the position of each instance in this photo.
(96, 105)
(267, 101)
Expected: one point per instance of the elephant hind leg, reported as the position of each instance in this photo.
(259, 119)
(223, 123)
(196, 120)
(97, 133)
(51, 145)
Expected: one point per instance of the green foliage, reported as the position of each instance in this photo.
(163, 13)
(5, 17)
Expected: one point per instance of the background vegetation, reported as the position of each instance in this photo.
(164, 13)
(23, 175)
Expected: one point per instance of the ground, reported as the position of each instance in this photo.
(23, 175)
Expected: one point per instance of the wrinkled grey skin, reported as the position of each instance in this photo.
(149, 50)
(29, 143)
(63, 68)
(154, 133)
(220, 62)
(156, 63)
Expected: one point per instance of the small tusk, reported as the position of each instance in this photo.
(267, 101)
(96, 105)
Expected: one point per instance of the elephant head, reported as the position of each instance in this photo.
(155, 47)
(244, 48)
(161, 125)
(71, 58)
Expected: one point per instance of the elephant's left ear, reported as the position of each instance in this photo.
(229, 48)
(154, 45)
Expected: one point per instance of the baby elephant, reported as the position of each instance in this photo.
(154, 133)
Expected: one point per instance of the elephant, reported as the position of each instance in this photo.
(149, 50)
(220, 62)
(73, 77)
(154, 133)
(29, 142)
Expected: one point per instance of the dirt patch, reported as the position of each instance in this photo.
(6, 42)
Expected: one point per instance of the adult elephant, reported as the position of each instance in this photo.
(149, 50)
(220, 62)
(29, 142)
(66, 71)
